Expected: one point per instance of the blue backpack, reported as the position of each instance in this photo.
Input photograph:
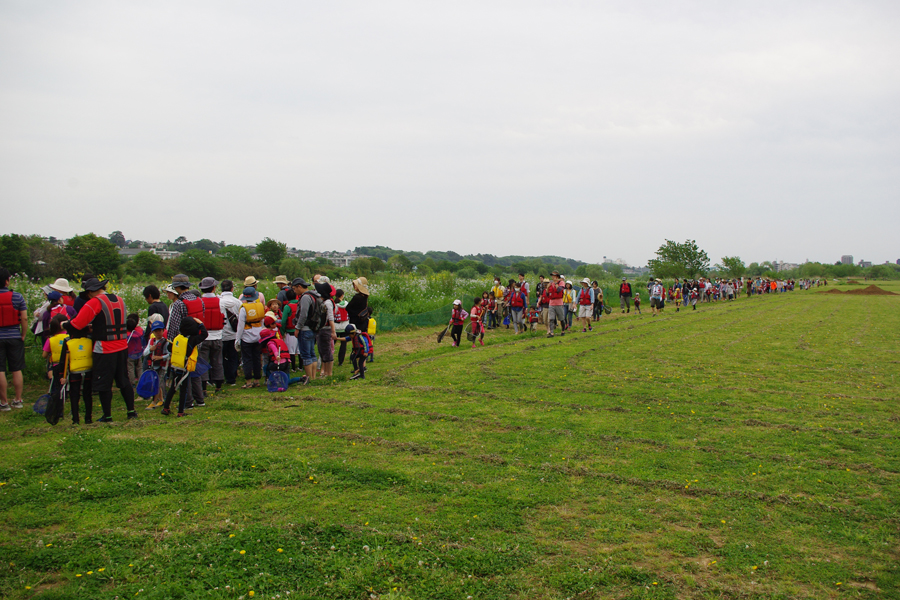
(148, 385)
(278, 381)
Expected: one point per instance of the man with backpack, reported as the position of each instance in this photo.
(306, 325)
(625, 295)
(231, 306)
(214, 316)
(555, 291)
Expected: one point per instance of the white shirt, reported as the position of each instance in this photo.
(229, 304)
(215, 336)
(247, 335)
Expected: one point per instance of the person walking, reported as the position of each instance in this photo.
(13, 327)
(656, 297)
(625, 295)
(585, 305)
(556, 290)
(105, 314)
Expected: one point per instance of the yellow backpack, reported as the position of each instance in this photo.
(180, 360)
(56, 346)
(372, 326)
(255, 313)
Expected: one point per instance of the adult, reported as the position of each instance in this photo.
(283, 286)
(656, 296)
(524, 288)
(249, 326)
(187, 305)
(251, 281)
(232, 307)
(214, 317)
(105, 314)
(625, 294)
(556, 310)
(13, 326)
(155, 306)
(598, 300)
(585, 303)
(307, 307)
(569, 299)
(341, 320)
(358, 307)
(518, 303)
(327, 333)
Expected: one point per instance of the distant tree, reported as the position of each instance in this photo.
(591, 271)
(679, 260)
(732, 266)
(754, 270)
(93, 253)
(237, 254)
(180, 240)
(146, 263)
(205, 245)
(117, 238)
(879, 272)
(271, 252)
(467, 273)
(198, 263)
(14, 253)
(293, 267)
(399, 263)
(614, 269)
(136, 244)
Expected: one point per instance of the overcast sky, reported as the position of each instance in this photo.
(766, 130)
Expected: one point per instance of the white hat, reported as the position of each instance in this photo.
(170, 289)
(61, 285)
(586, 280)
(457, 301)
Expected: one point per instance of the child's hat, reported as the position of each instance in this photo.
(457, 301)
(54, 295)
(350, 329)
(266, 334)
(156, 325)
(269, 320)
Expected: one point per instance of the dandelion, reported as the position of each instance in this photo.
(100, 570)
(243, 552)
(231, 535)
(251, 593)
(280, 550)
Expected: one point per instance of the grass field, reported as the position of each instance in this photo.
(745, 450)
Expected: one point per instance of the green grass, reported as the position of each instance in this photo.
(745, 450)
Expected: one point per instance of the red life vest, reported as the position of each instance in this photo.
(194, 308)
(294, 306)
(517, 300)
(67, 300)
(213, 319)
(109, 324)
(626, 288)
(283, 353)
(59, 309)
(555, 292)
(340, 314)
(456, 317)
(9, 316)
(584, 297)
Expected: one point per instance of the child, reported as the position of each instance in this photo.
(135, 365)
(159, 359)
(77, 362)
(491, 310)
(288, 315)
(517, 303)
(341, 320)
(191, 334)
(534, 317)
(477, 326)
(677, 298)
(276, 350)
(695, 292)
(56, 341)
(457, 319)
(360, 351)
(637, 302)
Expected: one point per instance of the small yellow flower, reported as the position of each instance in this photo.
(100, 570)
(27, 587)
(231, 535)
(130, 565)
(280, 550)
(654, 583)
(251, 593)
(90, 573)
(243, 552)
(754, 567)
(77, 574)
(48, 545)
(723, 521)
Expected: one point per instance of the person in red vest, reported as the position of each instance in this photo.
(214, 315)
(585, 301)
(625, 295)
(105, 314)
(188, 305)
(13, 325)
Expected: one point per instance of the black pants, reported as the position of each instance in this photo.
(80, 385)
(230, 361)
(252, 360)
(184, 391)
(456, 334)
(342, 352)
(358, 360)
(109, 368)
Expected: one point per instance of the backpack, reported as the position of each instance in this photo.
(277, 381)
(148, 385)
(317, 315)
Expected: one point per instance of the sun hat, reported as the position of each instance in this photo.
(586, 280)
(54, 295)
(157, 325)
(281, 279)
(569, 282)
(266, 334)
(269, 320)
(324, 289)
(251, 293)
(362, 285)
(181, 281)
(170, 289)
(93, 284)
(250, 281)
(61, 285)
(300, 281)
(207, 283)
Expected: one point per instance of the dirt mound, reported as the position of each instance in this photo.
(872, 290)
(853, 282)
(831, 291)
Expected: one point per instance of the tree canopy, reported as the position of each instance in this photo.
(271, 252)
(679, 260)
(733, 266)
(93, 253)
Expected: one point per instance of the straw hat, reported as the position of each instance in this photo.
(250, 281)
(279, 279)
(61, 285)
(362, 285)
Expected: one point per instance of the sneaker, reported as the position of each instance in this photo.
(200, 403)
(357, 376)
(590, 328)
(181, 415)
(132, 414)
(165, 411)
(5, 408)
(583, 330)
(191, 405)
(16, 404)
(304, 380)
(76, 422)
(549, 335)
(482, 341)
(104, 419)
(473, 344)
(88, 420)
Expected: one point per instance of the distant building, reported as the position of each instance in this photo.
(847, 259)
(898, 261)
(168, 254)
(784, 266)
(865, 264)
(132, 252)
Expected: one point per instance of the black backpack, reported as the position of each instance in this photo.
(316, 315)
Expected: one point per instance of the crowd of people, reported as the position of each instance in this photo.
(196, 344)
(191, 347)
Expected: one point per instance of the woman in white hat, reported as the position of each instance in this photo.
(358, 307)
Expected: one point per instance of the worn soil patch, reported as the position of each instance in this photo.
(872, 290)
(831, 291)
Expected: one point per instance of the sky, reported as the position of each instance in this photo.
(766, 130)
